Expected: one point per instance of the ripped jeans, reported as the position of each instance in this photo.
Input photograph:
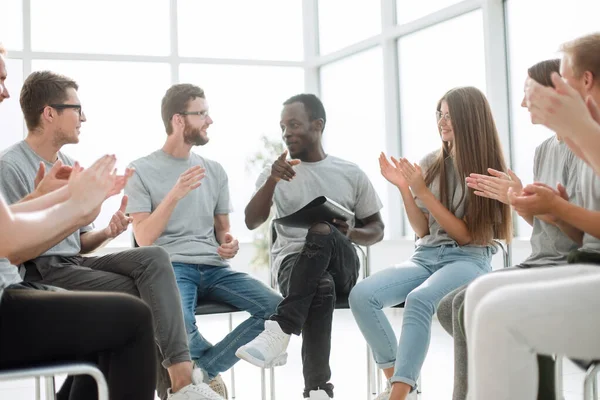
(309, 280)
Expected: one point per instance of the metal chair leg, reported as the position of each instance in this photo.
(272, 381)
(558, 376)
(370, 383)
(232, 368)
(38, 389)
(263, 385)
(590, 385)
(50, 389)
(379, 380)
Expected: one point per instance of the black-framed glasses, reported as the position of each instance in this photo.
(201, 114)
(76, 107)
(439, 116)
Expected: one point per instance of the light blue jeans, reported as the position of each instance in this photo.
(199, 282)
(421, 282)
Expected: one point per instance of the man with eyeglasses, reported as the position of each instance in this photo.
(179, 200)
(53, 115)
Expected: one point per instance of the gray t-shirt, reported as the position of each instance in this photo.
(437, 235)
(9, 275)
(341, 181)
(189, 236)
(553, 162)
(589, 183)
(19, 165)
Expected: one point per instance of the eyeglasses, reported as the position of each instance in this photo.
(439, 116)
(201, 114)
(76, 107)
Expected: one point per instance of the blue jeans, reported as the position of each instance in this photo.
(199, 282)
(421, 282)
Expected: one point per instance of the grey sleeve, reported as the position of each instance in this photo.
(139, 196)
(223, 205)
(536, 164)
(572, 173)
(14, 184)
(367, 200)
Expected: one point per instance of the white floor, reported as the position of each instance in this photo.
(348, 362)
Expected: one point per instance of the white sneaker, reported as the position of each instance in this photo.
(194, 392)
(267, 350)
(318, 395)
(385, 395)
(412, 395)
(217, 384)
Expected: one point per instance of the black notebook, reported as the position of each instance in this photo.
(321, 209)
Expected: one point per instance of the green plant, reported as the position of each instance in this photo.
(255, 164)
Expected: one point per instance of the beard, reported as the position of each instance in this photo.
(61, 138)
(193, 136)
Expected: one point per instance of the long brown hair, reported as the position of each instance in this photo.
(475, 148)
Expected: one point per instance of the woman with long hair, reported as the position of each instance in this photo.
(455, 227)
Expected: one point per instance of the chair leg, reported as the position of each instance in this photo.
(590, 385)
(263, 385)
(232, 368)
(272, 381)
(38, 389)
(370, 382)
(558, 376)
(50, 390)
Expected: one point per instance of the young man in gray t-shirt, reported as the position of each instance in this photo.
(312, 265)
(174, 207)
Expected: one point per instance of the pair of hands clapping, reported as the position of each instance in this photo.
(403, 174)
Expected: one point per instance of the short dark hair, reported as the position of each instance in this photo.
(542, 71)
(41, 89)
(2, 49)
(312, 104)
(176, 100)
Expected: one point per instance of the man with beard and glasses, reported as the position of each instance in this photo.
(172, 206)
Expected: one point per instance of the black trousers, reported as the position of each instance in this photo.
(309, 281)
(113, 331)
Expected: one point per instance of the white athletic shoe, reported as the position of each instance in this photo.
(194, 392)
(318, 395)
(268, 349)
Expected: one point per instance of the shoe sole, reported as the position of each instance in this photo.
(278, 361)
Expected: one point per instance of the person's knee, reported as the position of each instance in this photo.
(444, 312)
(157, 259)
(320, 228)
(135, 309)
(422, 301)
(359, 296)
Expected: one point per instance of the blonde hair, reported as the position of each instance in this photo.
(585, 55)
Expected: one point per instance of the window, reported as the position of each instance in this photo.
(352, 92)
(260, 29)
(528, 46)
(432, 61)
(245, 103)
(410, 10)
(109, 26)
(343, 23)
(121, 101)
(11, 27)
(11, 118)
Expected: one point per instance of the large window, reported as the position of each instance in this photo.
(245, 103)
(258, 29)
(343, 23)
(352, 92)
(528, 46)
(108, 26)
(432, 61)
